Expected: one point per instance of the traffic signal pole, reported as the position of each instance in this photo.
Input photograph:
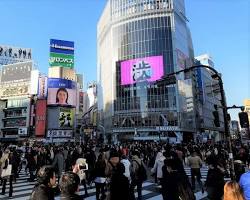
(216, 76)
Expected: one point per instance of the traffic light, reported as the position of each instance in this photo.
(216, 118)
(244, 122)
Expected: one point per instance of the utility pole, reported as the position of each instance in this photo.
(215, 76)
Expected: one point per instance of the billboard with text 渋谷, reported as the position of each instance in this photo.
(147, 69)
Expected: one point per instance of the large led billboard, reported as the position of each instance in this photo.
(61, 92)
(147, 69)
(66, 118)
(61, 46)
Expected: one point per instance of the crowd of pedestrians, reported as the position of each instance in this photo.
(117, 171)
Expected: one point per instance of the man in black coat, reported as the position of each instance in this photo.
(45, 189)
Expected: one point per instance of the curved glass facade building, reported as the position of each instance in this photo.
(138, 42)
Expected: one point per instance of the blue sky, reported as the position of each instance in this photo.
(219, 27)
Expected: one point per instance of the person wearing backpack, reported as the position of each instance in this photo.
(139, 175)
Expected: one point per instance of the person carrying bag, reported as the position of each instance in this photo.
(7, 174)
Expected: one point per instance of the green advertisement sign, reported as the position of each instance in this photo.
(61, 60)
(66, 118)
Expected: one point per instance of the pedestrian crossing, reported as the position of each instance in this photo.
(22, 188)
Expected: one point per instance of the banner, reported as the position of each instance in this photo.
(40, 117)
(42, 87)
(137, 70)
(60, 133)
(62, 60)
(10, 54)
(22, 131)
(66, 118)
(14, 90)
(61, 92)
(62, 46)
(16, 73)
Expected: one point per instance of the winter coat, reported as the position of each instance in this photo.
(158, 166)
(215, 183)
(58, 163)
(42, 192)
(119, 187)
(71, 197)
(136, 162)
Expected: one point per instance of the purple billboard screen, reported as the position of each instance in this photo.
(137, 70)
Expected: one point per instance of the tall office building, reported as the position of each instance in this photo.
(17, 72)
(208, 101)
(138, 42)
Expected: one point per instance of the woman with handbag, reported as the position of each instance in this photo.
(7, 173)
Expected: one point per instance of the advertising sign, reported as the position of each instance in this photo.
(60, 133)
(14, 90)
(66, 118)
(62, 46)
(62, 60)
(61, 92)
(15, 73)
(137, 70)
(42, 87)
(10, 54)
(34, 81)
(62, 72)
(40, 117)
(22, 131)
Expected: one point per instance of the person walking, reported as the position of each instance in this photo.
(232, 191)
(127, 165)
(46, 184)
(58, 162)
(215, 181)
(159, 162)
(119, 185)
(7, 172)
(69, 185)
(99, 177)
(138, 175)
(245, 184)
(195, 163)
(175, 185)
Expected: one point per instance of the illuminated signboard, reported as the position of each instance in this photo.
(147, 69)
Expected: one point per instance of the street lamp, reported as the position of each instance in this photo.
(215, 76)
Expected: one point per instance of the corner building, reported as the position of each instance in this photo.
(135, 30)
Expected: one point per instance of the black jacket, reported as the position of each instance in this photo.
(71, 197)
(119, 187)
(42, 192)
